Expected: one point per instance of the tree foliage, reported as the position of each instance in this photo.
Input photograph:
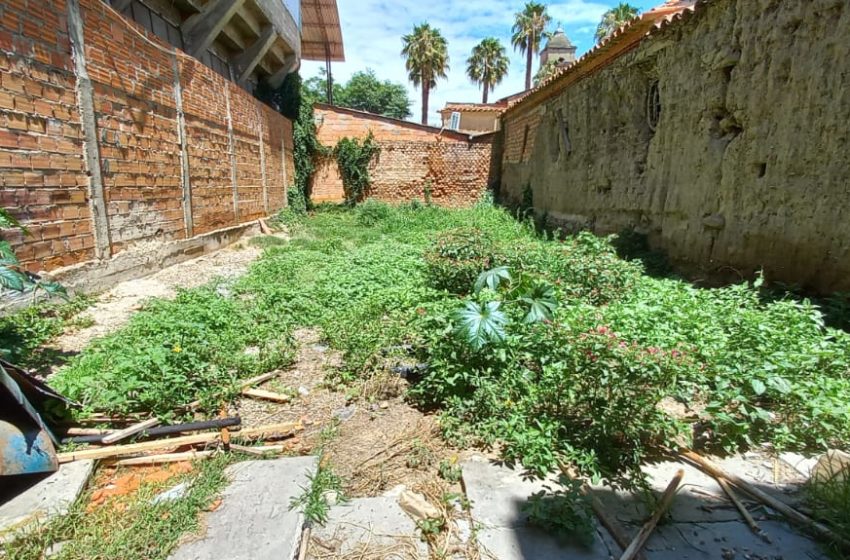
(353, 157)
(488, 65)
(545, 72)
(426, 53)
(528, 30)
(614, 18)
(364, 92)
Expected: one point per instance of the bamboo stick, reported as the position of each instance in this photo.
(266, 395)
(260, 451)
(87, 432)
(130, 431)
(781, 507)
(243, 385)
(663, 505)
(117, 450)
(612, 526)
(164, 458)
(740, 507)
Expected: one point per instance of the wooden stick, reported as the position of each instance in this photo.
(244, 385)
(165, 458)
(130, 431)
(264, 228)
(612, 526)
(649, 526)
(260, 451)
(266, 395)
(87, 432)
(117, 450)
(781, 507)
(740, 506)
(305, 544)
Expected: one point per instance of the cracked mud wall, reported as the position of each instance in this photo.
(747, 166)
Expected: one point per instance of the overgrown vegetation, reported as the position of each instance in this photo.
(353, 157)
(132, 527)
(560, 350)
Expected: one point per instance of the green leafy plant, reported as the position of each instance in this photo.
(458, 257)
(354, 157)
(565, 511)
(450, 470)
(313, 501)
(12, 275)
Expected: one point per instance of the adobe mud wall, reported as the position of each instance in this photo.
(412, 158)
(747, 166)
(108, 138)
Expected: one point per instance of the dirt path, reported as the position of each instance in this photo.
(114, 308)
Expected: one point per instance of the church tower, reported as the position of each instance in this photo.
(558, 48)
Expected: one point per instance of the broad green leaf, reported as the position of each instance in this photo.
(780, 384)
(481, 325)
(492, 279)
(541, 303)
(12, 279)
(758, 386)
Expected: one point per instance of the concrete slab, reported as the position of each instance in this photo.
(498, 493)
(704, 524)
(379, 524)
(254, 521)
(51, 497)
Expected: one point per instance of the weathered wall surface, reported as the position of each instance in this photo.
(412, 158)
(748, 166)
(237, 150)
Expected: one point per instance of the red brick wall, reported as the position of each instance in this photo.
(42, 168)
(411, 157)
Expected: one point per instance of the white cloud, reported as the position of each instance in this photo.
(372, 31)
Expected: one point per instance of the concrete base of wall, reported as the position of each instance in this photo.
(147, 258)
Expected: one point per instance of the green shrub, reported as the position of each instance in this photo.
(457, 259)
(373, 212)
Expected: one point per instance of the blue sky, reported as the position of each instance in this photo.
(372, 31)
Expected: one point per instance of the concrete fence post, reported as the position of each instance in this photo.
(184, 150)
(263, 162)
(231, 146)
(88, 122)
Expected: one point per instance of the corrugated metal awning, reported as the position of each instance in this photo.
(321, 32)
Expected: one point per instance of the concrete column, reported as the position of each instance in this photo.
(245, 62)
(263, 162)
(184, 150)
(91, 148)
(231, 144)
(200, 30)
(283, 171)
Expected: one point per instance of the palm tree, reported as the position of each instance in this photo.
(488, 64)
(613, 19)
(427, 54)
(528, 29)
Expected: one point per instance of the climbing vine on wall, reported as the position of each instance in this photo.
(353, 157)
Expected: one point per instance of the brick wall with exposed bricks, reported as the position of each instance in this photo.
(43, 170)
(412, 159)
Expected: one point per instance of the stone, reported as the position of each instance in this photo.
(50, 498)
(380, 522)
(833, 466)
(172, 494)
(417, 507)
(344, 414)
(254, 521)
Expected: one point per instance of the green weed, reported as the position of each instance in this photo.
(313, 501)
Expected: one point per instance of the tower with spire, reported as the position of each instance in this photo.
(558, 48)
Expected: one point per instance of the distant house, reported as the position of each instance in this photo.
(475, 118)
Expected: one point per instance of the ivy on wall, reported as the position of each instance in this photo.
(353, 157)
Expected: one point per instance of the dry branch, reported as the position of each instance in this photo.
(243, 385)
(117, 450)
(740, 507)
(259, 451)
(783, 508)
(129, 431)
(663, 505)
(266, 395)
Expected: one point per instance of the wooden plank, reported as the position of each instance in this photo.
(130, 431)
(260, 451)
(663, 505)
(266, 395)
(118, 450)
(164, 458)
(243, 385)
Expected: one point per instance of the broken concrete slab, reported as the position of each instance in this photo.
(50, 498)
(498, 493)
(254, 521)
(377, 523)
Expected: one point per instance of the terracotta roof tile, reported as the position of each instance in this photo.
(618, 43)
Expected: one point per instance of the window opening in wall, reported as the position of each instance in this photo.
(565, 133)
(524, 143)
(454, 121)
(653, 106)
